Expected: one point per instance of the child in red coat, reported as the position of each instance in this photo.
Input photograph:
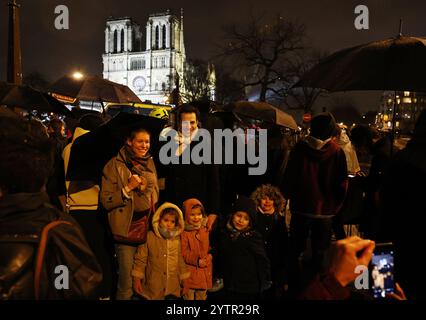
(195, 250)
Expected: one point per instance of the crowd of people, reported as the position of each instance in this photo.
(151, 231)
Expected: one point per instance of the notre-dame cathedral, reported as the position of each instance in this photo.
(147, 63)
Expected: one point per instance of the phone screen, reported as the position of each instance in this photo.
(382, 270)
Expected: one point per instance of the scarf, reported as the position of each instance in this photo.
(234, 233)
(136, 164)
(183, 141)
(192, 227)
(168, 234)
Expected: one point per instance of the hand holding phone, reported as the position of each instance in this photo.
(348, 254)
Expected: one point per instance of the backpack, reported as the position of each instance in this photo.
(21, 263)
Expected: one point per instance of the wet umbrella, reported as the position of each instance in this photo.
(397, 64)
(92, 88)
(91, 152)
(262, 111)
(30, 99)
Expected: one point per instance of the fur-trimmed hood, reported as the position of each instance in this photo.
(156, 218)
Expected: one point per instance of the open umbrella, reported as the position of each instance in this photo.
(262, 111)
(92, 88)
(397, 64)
(91, 152)
(27, 98)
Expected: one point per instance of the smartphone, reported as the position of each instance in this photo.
(382, 270)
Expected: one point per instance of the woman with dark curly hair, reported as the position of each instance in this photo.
(270, 222)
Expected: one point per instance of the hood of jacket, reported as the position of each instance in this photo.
(343, 139)
(78, 132)
(157, 214)
(318, 149)
(189, 204)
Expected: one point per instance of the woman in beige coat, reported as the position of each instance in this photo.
(129, 193)
(159, 268)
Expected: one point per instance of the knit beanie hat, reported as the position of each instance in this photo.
(247, 205)
(323, 126)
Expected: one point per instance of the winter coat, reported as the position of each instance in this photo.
(185, 181)
(119, 206)
(195, 246)
(273, 229)
(403, 214)
(316, 178)
(243, 263)
(159, 262)
(22, 219)
(81, 195)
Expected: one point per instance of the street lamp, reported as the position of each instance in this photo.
(77, 75)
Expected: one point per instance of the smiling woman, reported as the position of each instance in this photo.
(129, 192)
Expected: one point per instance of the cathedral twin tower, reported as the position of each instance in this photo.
(150, 73)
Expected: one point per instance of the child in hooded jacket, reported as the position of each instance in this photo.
(244, 265)
(195, 250)
(159, 269)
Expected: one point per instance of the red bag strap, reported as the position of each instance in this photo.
(41, 251)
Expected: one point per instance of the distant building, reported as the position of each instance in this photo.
(408, 108)
(150, 64)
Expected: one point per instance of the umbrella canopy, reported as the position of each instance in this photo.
(262, 111)
(30, 99)
(91, 152)
(92, 88)
(397, 64)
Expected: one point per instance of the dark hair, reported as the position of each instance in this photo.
(201, 207)
(56, 125)
(187, 108)
(170, 211)
(26, 156)
(323, 126)
(91, 121)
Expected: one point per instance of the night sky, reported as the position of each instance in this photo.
(330, 26)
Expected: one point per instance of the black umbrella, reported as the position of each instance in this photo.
(30, 99)
(397, 64)
(262, 111)
(91, 152)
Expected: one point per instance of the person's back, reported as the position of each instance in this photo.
(315, 182)
(316, 176)
(23, 217)
(25, 163)
(403, 214)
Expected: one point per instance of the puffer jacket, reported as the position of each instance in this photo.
(159, 262)
(120, 208)
(22, 219)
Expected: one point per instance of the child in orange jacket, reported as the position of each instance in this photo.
(195, 250)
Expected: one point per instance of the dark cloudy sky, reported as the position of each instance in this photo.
(330, 26)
